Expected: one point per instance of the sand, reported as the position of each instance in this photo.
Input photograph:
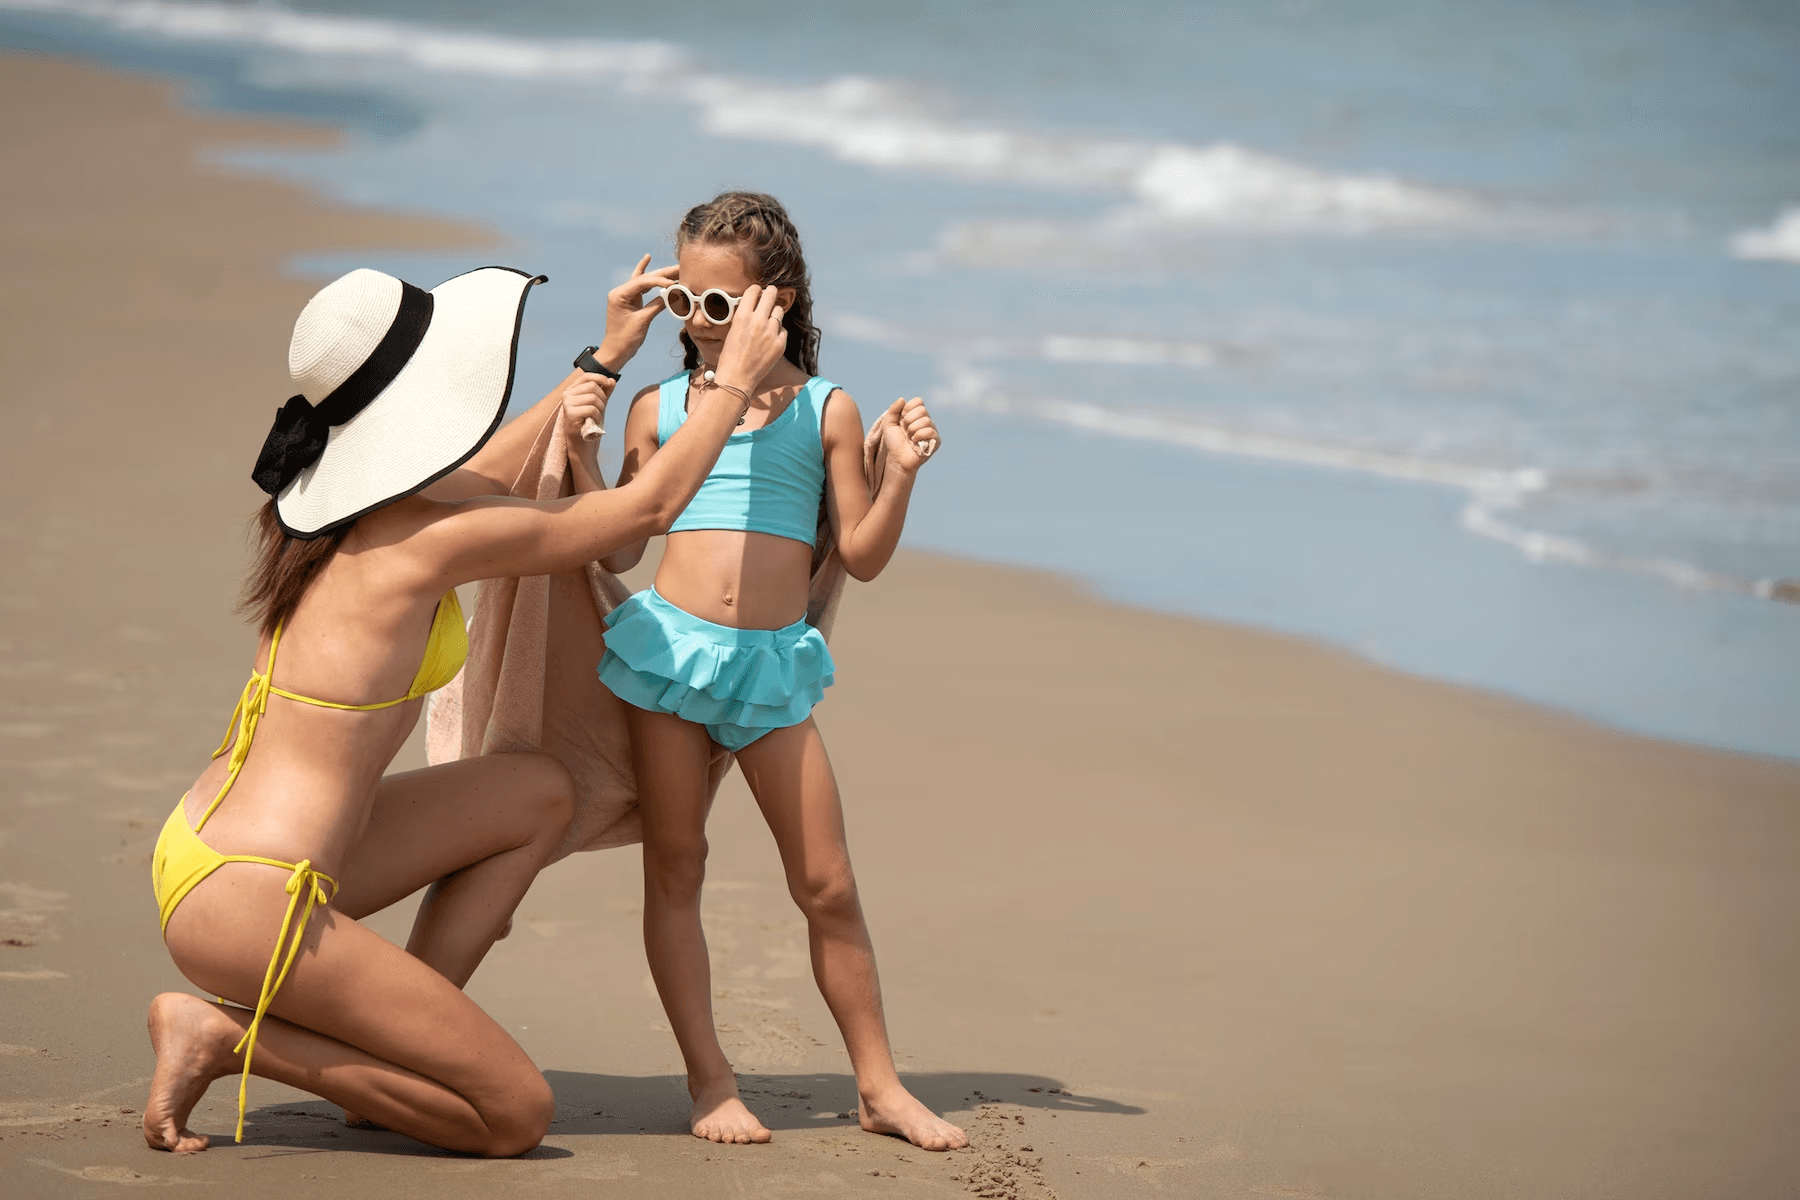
(1162, 907)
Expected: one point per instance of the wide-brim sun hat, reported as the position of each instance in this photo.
(398, 387)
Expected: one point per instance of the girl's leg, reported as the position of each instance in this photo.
(670, 757)
(791, 778)
(358, 1021)
(477, 832)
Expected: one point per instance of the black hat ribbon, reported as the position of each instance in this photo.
(301, 430)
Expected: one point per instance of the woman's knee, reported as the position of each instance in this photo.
(519, 1125)
(546, 795)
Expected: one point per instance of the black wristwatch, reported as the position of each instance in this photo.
(585, 361)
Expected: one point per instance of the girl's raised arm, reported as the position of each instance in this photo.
(868, 529)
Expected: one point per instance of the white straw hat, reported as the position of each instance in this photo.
(398, 387)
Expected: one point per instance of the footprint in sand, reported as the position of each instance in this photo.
(26, 921)
(123, 1175)
(1006, 1166)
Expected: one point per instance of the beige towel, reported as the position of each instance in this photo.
(534, 646)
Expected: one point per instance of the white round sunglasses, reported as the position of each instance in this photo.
(715, 304)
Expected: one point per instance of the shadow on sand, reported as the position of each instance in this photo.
(589, 1104)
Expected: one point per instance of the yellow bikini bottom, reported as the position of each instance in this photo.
(182, 860)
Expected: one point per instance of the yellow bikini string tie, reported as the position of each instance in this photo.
(303, 880)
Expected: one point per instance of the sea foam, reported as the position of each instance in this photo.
(877, 123)
(1780, 242)
(1495, 495)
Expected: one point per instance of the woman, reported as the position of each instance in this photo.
(384, 498)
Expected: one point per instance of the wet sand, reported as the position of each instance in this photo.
(1163, 907)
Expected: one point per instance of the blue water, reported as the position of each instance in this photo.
(1460, 334)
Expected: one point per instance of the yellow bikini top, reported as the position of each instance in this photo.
(446, 649)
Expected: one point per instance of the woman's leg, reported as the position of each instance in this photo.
(670, 757)
(477, 832)
(358, 1021)
(790, 775)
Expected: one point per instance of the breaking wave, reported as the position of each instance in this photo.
(1780, 242)
(1494, 494)
(882, 124)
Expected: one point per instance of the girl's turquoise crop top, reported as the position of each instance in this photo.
(767, 480)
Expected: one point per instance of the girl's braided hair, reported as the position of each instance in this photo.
(760, 228)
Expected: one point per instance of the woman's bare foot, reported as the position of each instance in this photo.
(720, 1116)
(193, 1041)
(896, 1112)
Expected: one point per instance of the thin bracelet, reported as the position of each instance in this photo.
(707, 380)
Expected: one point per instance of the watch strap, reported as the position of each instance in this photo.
(585, 361)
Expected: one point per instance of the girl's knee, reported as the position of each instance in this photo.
(675, 871)
(828, 898)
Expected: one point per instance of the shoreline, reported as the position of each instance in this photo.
(1628, 651)
(1163, 904)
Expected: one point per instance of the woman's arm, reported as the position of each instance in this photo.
(497, 464)
(640, 446)
(869, 530)
(490, 537)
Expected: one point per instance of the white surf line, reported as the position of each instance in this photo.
(1780, 242)
(1491, 490)
(423, 46)
(873, 122)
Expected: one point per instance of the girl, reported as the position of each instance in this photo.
(718, 650)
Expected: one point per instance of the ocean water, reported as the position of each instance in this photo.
(1465, 335)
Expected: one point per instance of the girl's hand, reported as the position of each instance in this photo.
(912, 437)
(628, 317)
(755, 340)
(584, 401)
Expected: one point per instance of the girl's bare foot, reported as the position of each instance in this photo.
(720, 1116)
(193, 1041)
(896, 1112)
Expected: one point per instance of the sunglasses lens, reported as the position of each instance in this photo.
(717, 307)
(678, 302)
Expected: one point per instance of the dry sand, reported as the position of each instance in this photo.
(1163, 907)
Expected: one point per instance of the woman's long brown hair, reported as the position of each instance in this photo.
(758, 225)
(285, 567)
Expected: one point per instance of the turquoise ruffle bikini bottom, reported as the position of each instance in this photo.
(739, 683)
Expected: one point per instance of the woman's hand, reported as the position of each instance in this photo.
(584, 401)
(912, 437)
(628, 315)
(754, 342)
